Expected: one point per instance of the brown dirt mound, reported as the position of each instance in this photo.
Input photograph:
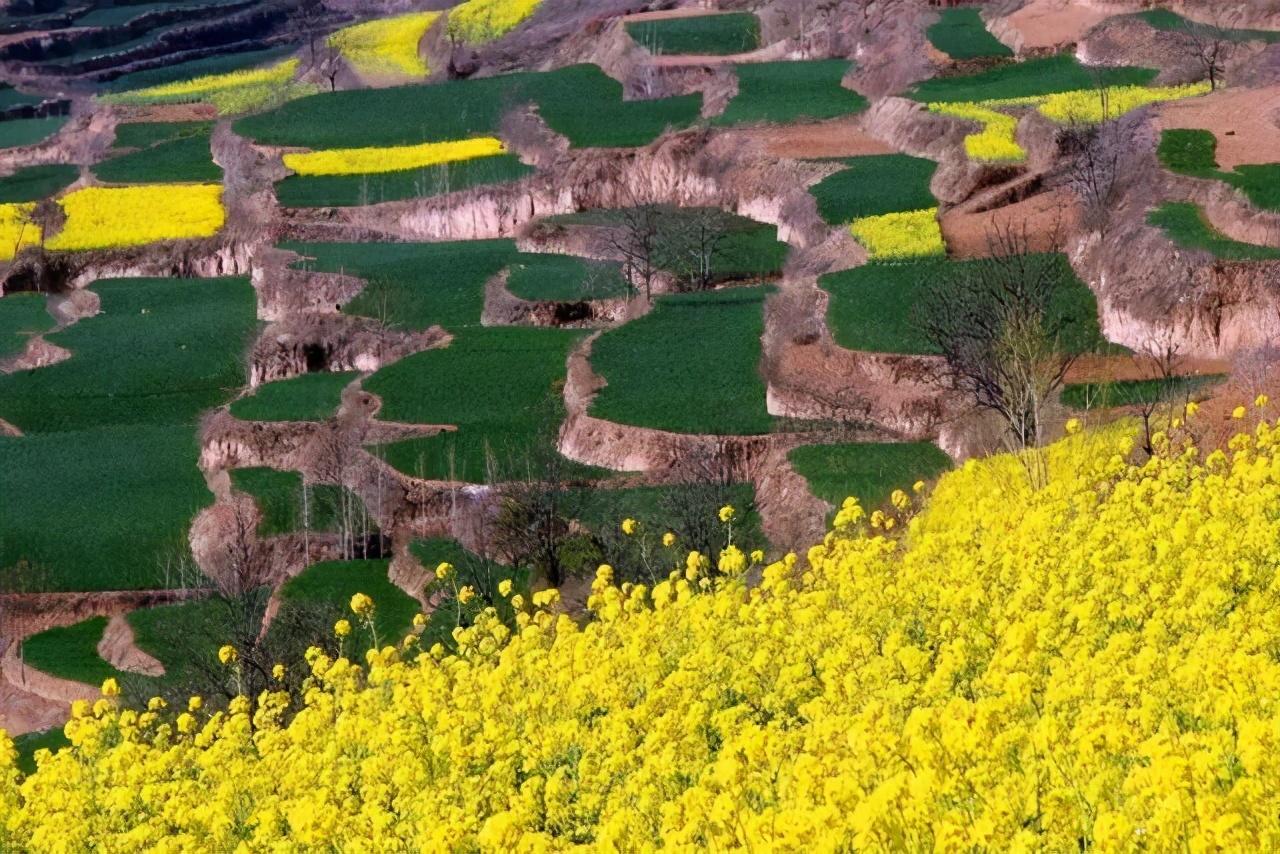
(1245, 121)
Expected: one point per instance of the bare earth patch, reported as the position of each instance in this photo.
(1049, 24)
(1245, 121)
(966, 233)
(836, 138)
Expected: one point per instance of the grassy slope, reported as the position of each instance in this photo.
(1168, 21)
(21, 315)
(278, 495)
(217, 64)
(870, 307)
(868, 472)
(1194, 152)
(308, 191)
(736, 32)
(1185, 225)
(186, 158)
(961, 34)
(874, 185)
(309, 397)
(566, 278)
(580, 102)
(16, 132)
(37, 182)
(690, 366)
(1062, 73)
(331, 585)
(787, 92)
(70, 652)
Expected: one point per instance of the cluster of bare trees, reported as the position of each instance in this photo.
(688, 243)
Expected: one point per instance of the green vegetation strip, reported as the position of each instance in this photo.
(566, 278)
(1062, 73)
(718, 34)
(789, 92)
(961, 34)
(871, 306)
(37, 182)
(18, 132)
(875, 185)
(21, 316)
(580, 102)
(309, 397)
(1185, 225)
(1194, 152)
(869, 472)
(70, 652)
(187, 158)
(1168, 21)
(218, 64)
(690, 366)
(310, 191)
(1135, 392)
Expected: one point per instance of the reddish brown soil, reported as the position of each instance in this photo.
(167, 113)
(1048, 24)
(1044, 215)
(1112, 368)
(835, 138)
(1245, 121)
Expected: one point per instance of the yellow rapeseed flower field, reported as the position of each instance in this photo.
(232, 92)
(360, 161)
(386, 46)
(1089, 660)
(996, 142)
(16, 228)
(910, 234)
(112, 217)
(478, 21)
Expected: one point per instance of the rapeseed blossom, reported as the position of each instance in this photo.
(386, 46)
(398, 158)
(909, 234)
(478, 21)
(115, 217)
(1089, 662)
(16, 228)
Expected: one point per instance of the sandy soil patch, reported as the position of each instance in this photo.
(836, 138)
(1245, 121)
(1048, 24)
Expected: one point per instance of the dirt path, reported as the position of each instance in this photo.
(1245, 121)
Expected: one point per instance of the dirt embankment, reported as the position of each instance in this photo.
(118, 649)
(503, 308)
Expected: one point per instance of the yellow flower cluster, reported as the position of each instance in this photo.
(478, 21)
(1089, 663)
(997, 141)
(233, 92)
(112, 217)
(16, 228)
(386, 46)
(910, 234)
(365, 161)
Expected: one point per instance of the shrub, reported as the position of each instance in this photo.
(479, 21)
(354, 161)
(1072, 664)
(910, 234)
(112, 217)
(386, 45)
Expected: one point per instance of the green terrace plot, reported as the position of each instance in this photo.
(874, 185)
(160, 352)
(21, 316)
(309, 397)
(1163, 19)
(110, 445)
(11, 97)
(70, 652)
(37, 182)
(871, 306)
(329, 586)
(566, 278)
(580, 102)
(1185, 225)
(1194, 152)
(185, 157)
(748, 250)
(961, 34)
(147, 134)
(500, 386)
(284, 506)
(18, 132)
(1047, 76)
(482, 575)
(692, 365)
(309, 191)
(869, 472)
(722, 34)
(787, 92)
(1135, 392)
(414, 285)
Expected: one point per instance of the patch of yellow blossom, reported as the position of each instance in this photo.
(386, 46)
(110, 217)
(16, 228)
(997, 141)
(1090, 664)
(232, 92)
(478, 21)
(910, 234)
(368, 161)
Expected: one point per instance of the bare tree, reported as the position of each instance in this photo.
(1210, 45)
(307, 21)
(692, 243)
(636, 240)
(994, 323)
